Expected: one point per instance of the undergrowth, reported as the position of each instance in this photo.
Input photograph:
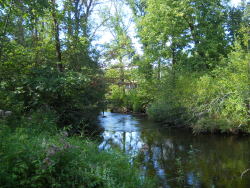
(36, 154)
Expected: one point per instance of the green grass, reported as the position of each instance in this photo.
(35, 154)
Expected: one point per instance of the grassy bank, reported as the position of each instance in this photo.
(33, 153)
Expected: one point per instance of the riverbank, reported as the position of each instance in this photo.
(210, 126)
(35, 153)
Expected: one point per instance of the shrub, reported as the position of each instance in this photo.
(32, 158)
(75, 97)
(215, 101)
(168, 112)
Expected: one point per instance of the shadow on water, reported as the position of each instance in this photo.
(177, 157)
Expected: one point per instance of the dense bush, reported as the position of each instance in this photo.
(134, 95)
(214, 101)
(140, 97)
(75, 97)
(34, 155)
(223, 96)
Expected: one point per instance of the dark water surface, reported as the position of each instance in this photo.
(176, 157)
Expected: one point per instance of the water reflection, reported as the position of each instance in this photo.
(176, 157)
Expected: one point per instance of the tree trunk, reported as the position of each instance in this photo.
(2, 35)
(173, 66)
(248, 100)
(57, 38)
(122, 75)
(159, 70)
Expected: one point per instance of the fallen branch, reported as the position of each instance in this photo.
(244, 172)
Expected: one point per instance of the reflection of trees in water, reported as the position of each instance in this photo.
(159, 155)
(205, 160)
(152, 150)
(129, 142)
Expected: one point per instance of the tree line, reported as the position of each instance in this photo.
(194, 67)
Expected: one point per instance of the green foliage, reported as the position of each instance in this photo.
(74, 97)
(226, 100)
(34, 155)
(194, 69)
(170, 28)
(217, 101)
(29, 78)
(134, 95)
(42, 71)
(168, 112)
(171, 104)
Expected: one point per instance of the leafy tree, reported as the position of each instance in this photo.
(37, 68)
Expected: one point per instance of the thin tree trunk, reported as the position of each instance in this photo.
(20, 36)
(173, 66)
(194, 37)
(57, 38)
(5, 29)
(77, 21)
(69, 27)
(159, 70)
(122, 75)
(21, 32)
(248, 100)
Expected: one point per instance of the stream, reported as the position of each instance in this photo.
(176, 157)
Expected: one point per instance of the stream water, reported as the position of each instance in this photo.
(176, 157)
